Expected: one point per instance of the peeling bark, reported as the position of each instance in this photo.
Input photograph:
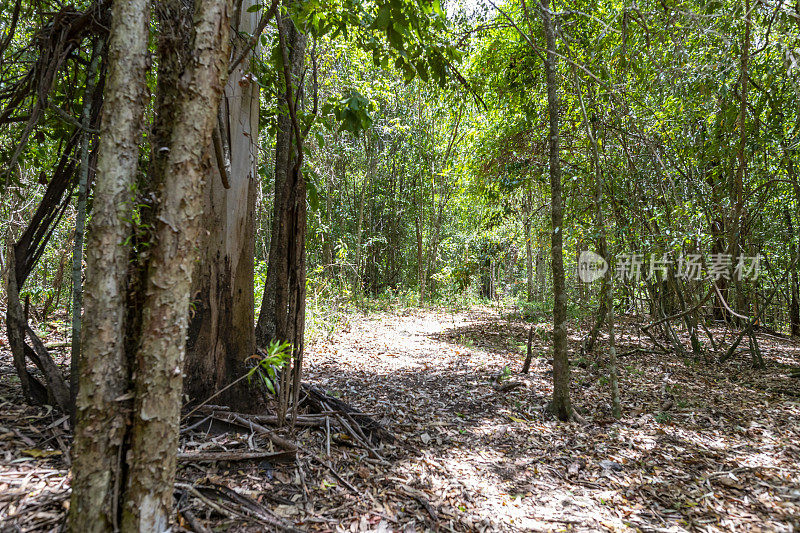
(100, 414)
(159, 359)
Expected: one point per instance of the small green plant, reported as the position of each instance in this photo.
(631, 369)
(663, 418)
(277, 355)
(504, 373)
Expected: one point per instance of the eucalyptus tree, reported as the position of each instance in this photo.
(406, 33)
(221, 335)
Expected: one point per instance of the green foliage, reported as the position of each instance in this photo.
(663, 417)
(351, 112)
(270, 363)
(413, 183)
(504, 374)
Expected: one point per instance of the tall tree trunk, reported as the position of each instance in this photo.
(608, 287)
(526, 224)
(80, 224)
(356, 289)
(794, 305)
(282, 315)
(560, 404)
(174, 20)
(392, 243)
(420, 256)
(794, 286)
(221, 329)
(437, 208)
(160, 357)
(101, 418)
(285, 161)
(736, 244)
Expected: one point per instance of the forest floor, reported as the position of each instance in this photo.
(700, 447)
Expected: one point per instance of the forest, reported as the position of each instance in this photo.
(400, 265)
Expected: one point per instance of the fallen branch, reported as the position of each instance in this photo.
(322, 403)
(233, 418)
(278, 457)
(194, 522)
(342, 480)
(234, 505)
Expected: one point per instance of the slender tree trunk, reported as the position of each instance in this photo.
(221, 333)
(541, 268)
(794, 305)
(420, 259)
(736, 244)
(526, 224)
(16, 320)
(689, 318)
(608, 287)
(356, 289)
(794, 286)
(80, 225)
(391, 226)
(437, 209)
(560, 405)
(600, 319)
(101, 418)
(433, 251)
(160, 357)
(433, 237)
(327, 235)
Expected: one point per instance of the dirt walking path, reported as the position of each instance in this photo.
(699, 449)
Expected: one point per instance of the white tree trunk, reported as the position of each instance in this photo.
(221, 331)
